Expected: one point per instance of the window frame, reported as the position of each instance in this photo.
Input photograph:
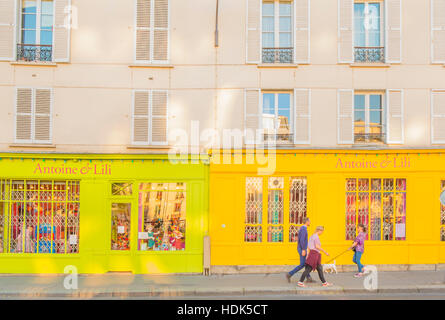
(367, 111)
(382, 22)
(276, 94)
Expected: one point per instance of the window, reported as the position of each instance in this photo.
(282, 218)
(277, 35)
(150, 110)
(442, 215)
(36, 31)
(120, 226)
(152, 31)
(368, 35)
(277, 117)
(162, 216)
(121, 189)
(368, 118)
(379, 204)
(39, 216)
(33, 115)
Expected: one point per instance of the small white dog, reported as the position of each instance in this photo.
(330, 268)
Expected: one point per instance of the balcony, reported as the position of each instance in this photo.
(369, 54)
(369, 138)
(278, 55)
(34, 53)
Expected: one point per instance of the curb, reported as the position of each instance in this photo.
(200, 292)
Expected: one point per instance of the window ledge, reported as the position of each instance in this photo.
(278, 65)
(369, 65)
(148, 147)
(30, 145)
(39, 64)
(147, 65)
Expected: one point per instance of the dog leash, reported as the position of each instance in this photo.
(338, 256)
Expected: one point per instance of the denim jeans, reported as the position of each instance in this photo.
(301, 265)
(356, 260)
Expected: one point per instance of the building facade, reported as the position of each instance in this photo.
(346, 96)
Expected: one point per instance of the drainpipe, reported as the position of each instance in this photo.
(216, 25)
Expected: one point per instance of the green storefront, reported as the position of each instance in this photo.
(102, 213)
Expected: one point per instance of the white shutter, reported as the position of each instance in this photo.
(393, 31)
(8, 14)
(302, 31)
(143, 31)
(23, 115)
(252, 113)
(42, 116)
(345, 116)
(140, 117)
(253, 31)
(395, 125)
(161, 31)
(438, 117)
(345, 31)
(62, 30)
(159, 117)
(438, 31)
(302, 118)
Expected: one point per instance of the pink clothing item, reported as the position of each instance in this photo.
(313, 241)
(360, 247)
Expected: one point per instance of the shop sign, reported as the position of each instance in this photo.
(386, 163)
(90, 169)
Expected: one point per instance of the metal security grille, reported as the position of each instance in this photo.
(254, 210)
(442, 216)
(39, 216)
(285, 211)
(378, 204)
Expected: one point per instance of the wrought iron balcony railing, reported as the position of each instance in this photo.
(278, 55)
(278, 138)
(369, 137)
(34, 52)
(369, 54)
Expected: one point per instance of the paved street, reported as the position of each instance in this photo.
(415, 284)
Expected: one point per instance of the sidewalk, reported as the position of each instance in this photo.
(177, 286)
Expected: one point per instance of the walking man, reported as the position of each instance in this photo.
(302, 250)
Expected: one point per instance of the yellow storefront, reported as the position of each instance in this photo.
(102, 213)
(257, 204)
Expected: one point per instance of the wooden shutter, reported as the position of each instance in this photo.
(438, 117)
(438, 31)
(394, 117)
(140, 117)
(302, 119)
(345, 120)
(23, 117)
(8, 14)
(345, 31)
(159, 116)
(42, 116)
(161, 31)
(393, 31)
(62, 30)
(252, 103)
(302, 31)
(253, 32)
(143, 31)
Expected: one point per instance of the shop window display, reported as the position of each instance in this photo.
(120, 226)
(442, 216)
(275, 218)
(162, 217)
(39, 216)
(379, 204)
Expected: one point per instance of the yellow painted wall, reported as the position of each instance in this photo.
(326, 206)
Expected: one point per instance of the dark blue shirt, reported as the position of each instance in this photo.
(302, 238)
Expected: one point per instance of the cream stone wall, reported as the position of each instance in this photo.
(93, 92)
